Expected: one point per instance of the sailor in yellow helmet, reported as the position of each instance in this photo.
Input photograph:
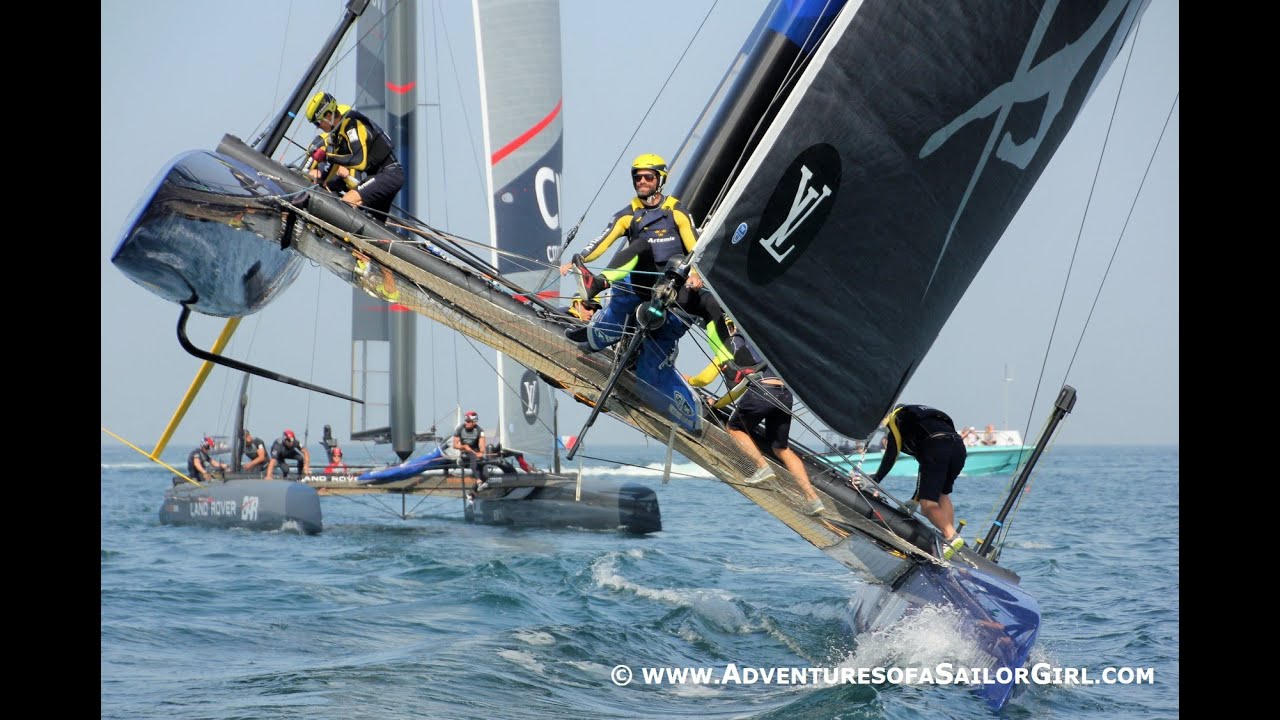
(930, 436)
(657, 229)
(354, 146)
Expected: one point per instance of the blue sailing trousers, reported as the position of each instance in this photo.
(661, 384)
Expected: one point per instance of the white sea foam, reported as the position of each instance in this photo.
(534, 637)
(714, 604)
(523, 659)
(925, 638)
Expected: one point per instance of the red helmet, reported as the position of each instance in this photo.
(289, 435)
(208, 442)
(337, 452)
(471, 415)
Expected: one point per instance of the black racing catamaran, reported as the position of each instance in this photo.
(904, 132)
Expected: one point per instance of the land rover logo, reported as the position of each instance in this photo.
(795, 213)
(529, 396)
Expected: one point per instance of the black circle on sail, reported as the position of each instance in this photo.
(796, 210)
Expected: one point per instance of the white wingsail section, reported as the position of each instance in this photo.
(518, 48)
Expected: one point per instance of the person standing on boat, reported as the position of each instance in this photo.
(288, 448)
(468, 439)
(928, 435)
(355, 143)
(200, 462)
(766, 400)
(657, 229)
(256, 451)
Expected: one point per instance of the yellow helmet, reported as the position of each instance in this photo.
(649, 161)
(319, 105)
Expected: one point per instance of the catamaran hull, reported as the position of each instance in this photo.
(205, 236)
(251, 504)
(1002, 619)
(992, 460)
(631, 507)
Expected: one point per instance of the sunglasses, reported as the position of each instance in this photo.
(647, 177)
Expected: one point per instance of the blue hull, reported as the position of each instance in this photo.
(1001, 620)
(206, 234)
(433, 460)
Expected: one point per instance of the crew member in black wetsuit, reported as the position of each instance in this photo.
(200, 462)
(288, 448)
(769, 401)
(256, 451)
(657, 229)
(928, 435)
(468, 439)
(354, 144)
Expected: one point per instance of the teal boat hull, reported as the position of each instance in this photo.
(981, 460)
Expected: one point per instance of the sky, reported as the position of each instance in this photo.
(177, 76)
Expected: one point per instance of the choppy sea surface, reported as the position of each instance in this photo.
(432, 617)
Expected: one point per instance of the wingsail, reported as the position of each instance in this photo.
(518, 43)
(890, 170)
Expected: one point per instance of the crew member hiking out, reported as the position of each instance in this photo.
(928, 435)
(657, 229)
(355, 144)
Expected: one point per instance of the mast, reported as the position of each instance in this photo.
(386, 90)
(237, 437)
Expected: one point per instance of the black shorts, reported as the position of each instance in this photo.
(379, 191)
(941, 460)
(770, 403)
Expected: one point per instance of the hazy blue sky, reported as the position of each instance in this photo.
(177, 76)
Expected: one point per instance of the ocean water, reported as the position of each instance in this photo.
(431, 617)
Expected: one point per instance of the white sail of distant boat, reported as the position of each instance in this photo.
(518, 52)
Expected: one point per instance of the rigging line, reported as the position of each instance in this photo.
(275, 94)
(434, 398)
(457, 378)
(1075, 250)
(691, 476)
(574, 230)
(315, 348)
(475, 157)
(506, 383)
(435, 48)
(148, 456)
(1115, 250)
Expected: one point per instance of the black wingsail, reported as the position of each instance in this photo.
(888, 174)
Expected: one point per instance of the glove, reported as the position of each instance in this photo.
(319, 155)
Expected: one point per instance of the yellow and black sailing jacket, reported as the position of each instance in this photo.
(359, 144)
(654, 236)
